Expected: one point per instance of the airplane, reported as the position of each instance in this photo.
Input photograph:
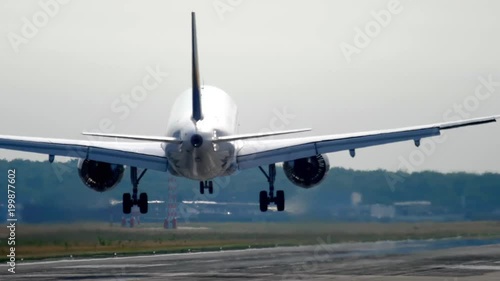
(201, 144)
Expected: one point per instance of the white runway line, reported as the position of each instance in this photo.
(112, 266)
(472, 267)
(142, 257)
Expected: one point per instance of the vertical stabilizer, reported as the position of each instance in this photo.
(197, 115)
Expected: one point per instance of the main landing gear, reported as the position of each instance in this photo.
(131, 200)
(206, 185)
(264, 198)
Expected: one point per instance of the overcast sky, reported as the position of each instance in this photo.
(329, 64)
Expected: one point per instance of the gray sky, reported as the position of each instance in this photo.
(421, 66)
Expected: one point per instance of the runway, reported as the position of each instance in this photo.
(444, 260)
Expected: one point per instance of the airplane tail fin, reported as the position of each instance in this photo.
(197, 114)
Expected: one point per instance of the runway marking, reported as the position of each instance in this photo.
(209, 261)
(471, 267)
(215, 274)
(138, 257)
(72, 276)
(89, 266)
(260, 267)
(178, 274)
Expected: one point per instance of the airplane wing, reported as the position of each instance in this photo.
(146, 155)
(254, 153)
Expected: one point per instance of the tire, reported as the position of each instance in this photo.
(143, 203)
(210, 187)
(263, 201)
(202, 188)
(127, 203)
(280, 200)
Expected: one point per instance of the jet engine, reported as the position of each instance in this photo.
(100, 176)
(307, 172)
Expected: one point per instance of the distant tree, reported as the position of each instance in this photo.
(57, 185)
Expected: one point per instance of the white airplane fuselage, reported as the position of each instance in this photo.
(197, 157)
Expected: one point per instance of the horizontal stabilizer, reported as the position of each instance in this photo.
(258, 135)
(135, 137)
(469, 122)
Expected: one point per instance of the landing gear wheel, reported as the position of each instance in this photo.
(127, 203)
(280, 200)
(206, 185)
(210, 187)
(263, 201)
(202, 187)
(143, 203)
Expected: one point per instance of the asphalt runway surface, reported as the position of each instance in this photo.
(444, 260)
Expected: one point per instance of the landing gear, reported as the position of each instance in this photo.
(206, 185)
(143, 203)
(264, 198)
(279, 200)
(127, 203)
(263, 201)
(131, 200)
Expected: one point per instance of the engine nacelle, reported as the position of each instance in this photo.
(307, 172)
(100, 176)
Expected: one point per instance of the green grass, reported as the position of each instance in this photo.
(100, 239)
